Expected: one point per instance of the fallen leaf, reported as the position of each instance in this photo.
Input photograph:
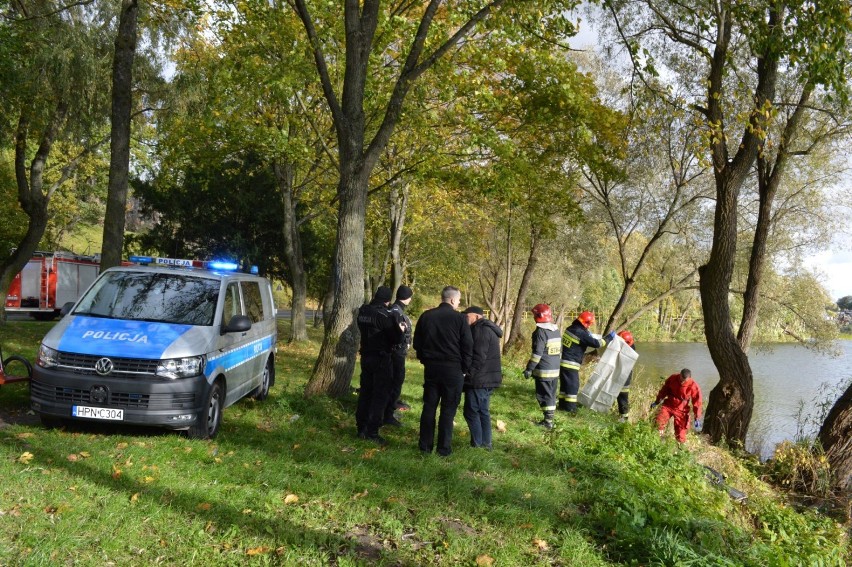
(501, 426)
(204, 506)
(72, 457)
(291, 499)
(485, 561)
(360, 495)
(369, 454)
(296, 446)
(85, 454)
(541, 544)
(24, 435)
(247, 511)
(121, 446)
(116, 472)
(135, 497)
(148, 479)
(25, 457)
(257, 550)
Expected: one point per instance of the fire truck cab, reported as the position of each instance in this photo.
(49, 281)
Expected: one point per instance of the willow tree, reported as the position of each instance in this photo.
(52, 91)
(399, 42)
(730, 56)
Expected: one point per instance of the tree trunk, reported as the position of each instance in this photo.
(619, 306)
(335, 364)
(731, 402)
(398, 208)
(31, 196)
(284, 175)
(119, 164)
(526, 279)
(836, 438)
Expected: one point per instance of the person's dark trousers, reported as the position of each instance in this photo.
(376, 374)
(623, 403)
(569, 385)
(398, 365)
(477, 414)
(441, 385)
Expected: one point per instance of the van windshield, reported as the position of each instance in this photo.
(151, 296)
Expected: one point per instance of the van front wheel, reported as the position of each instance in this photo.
(261, 392)
(210, 417)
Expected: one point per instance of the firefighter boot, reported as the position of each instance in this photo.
(547, 422)
(563, 405)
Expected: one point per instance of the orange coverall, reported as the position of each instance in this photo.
(677, 396)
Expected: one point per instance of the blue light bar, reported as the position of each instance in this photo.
(219, 265)
(141, 259)
(254, 270)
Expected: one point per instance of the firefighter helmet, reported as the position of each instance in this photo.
(587, 318)
(542, 314)
(627, 336)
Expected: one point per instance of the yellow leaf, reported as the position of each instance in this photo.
(24, 435)
(116, 472)
(121, 446)
(501, 426)
(291, 499)
(541, 544)
(25, 457)
(257, 550)
(135, 497)
(485, 561)
(85, 454)
(360, 495)
(148, 479)
(71, 457)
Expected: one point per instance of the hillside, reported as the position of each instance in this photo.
(287, 482)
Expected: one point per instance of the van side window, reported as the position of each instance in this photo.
(232, 303)
(254, 301)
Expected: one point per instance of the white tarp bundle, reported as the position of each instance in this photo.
(607, 380)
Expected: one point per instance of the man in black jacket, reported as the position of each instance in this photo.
(444, 346)
(380, 330)
(398, 356)
(484, 376)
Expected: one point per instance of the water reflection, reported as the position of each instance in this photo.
(786, 378)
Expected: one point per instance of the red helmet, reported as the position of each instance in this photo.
(587, 318)
(627, 336)
(542, 314)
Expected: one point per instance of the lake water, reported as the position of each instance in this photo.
(787, 378)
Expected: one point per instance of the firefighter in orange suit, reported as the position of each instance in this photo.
(677, 393)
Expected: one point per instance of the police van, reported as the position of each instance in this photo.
(167, 343)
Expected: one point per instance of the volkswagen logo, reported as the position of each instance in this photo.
(103, 366)
(98, 394)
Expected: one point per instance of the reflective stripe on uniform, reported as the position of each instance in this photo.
(571, 398)
(569, 339)
(546, 373)
(548, 408)
(625, 390)
(569, 364)
(535, 358)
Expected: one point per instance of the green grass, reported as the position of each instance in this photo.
(286, 482)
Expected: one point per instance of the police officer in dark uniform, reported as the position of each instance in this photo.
(444, 346)
(380, 330)
(398, 355)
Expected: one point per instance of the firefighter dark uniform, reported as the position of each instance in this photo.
(543, 366)
(379, 332)
(575, 340)
(398, 355)
(623, 398)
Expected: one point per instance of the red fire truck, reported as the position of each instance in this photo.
(49, 281)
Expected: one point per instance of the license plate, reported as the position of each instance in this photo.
(87, 412)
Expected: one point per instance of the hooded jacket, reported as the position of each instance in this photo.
(485, 370)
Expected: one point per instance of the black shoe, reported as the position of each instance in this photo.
(377, 439)
(402, 406)
(545, 424)
(563, 406)
(392, 421)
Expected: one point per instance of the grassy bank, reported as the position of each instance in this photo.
(287, 482)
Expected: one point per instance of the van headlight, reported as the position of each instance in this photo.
(47, 357)
(175, 368)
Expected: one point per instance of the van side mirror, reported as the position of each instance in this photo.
(237, 324)
(66, 309)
